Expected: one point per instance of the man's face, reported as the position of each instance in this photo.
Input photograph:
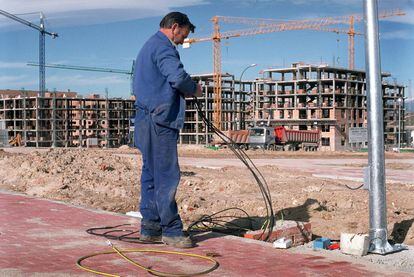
(179, 33)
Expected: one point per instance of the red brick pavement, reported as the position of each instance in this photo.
(44, 237)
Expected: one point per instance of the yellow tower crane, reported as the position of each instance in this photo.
(265, 26)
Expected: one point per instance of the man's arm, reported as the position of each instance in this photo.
(171, 67)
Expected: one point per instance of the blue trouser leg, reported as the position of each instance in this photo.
(166, 179)
(160, 177)
(150, 224)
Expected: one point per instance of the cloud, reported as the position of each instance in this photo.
(9, 65)
(302, 2)
(69, 80)
(81, 12)
(17, 81)
(399, 34)
(118, 85)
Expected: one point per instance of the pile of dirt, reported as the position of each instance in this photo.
(92, 178)
(4, 154)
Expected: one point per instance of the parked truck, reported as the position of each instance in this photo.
(307, 140)
(276, 138)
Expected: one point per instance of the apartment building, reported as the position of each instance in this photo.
(195, 131)
(65, 119)
(330, 99)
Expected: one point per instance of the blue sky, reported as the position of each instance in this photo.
(109, 33)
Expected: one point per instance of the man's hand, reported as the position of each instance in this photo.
(199, 91)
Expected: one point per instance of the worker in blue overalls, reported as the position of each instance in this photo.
(160, 85)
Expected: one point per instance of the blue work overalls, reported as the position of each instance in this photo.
(159, 178)
(160, 84)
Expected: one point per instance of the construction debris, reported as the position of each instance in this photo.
(16, 141)
(298, 232)
(354, 244)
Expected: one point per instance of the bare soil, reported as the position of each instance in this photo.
(105, 180)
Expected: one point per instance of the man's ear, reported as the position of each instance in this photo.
(174, 26)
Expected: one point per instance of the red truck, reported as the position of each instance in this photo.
(303, 139)
(276, 138)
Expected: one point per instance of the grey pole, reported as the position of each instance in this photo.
(240, 95)
(377, 199)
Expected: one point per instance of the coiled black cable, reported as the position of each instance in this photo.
(215, 222)
(128, 235)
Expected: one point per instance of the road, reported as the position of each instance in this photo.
(344, 169)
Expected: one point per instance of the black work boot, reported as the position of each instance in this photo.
(178, 241)
(150, 239)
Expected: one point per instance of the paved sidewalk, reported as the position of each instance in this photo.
(40, 237)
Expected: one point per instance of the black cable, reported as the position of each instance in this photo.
(113, 229)
(356, 188)
(211, 222)
(245, 159)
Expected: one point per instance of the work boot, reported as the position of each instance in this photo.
(178, 242)
(150, 239)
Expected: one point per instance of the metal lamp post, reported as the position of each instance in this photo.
(376, 161)
(240, 95)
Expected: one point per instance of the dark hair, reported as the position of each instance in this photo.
(176, 17)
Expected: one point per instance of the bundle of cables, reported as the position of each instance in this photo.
(257, 175)
(220, 222)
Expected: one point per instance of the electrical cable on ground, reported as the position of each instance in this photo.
(121, 252)
(114, 229)
(351, 188)
(215, 222)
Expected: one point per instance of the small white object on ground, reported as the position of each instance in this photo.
(134, 214)
(282, 243)
(354, 244)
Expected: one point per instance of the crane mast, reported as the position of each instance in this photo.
(42, 59)
(217, 73)
(42, 34)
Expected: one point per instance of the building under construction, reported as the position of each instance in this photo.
(195, 131)
(301, 97)
(64, 119)
(329, 99)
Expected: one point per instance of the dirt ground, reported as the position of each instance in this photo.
(106, 180)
